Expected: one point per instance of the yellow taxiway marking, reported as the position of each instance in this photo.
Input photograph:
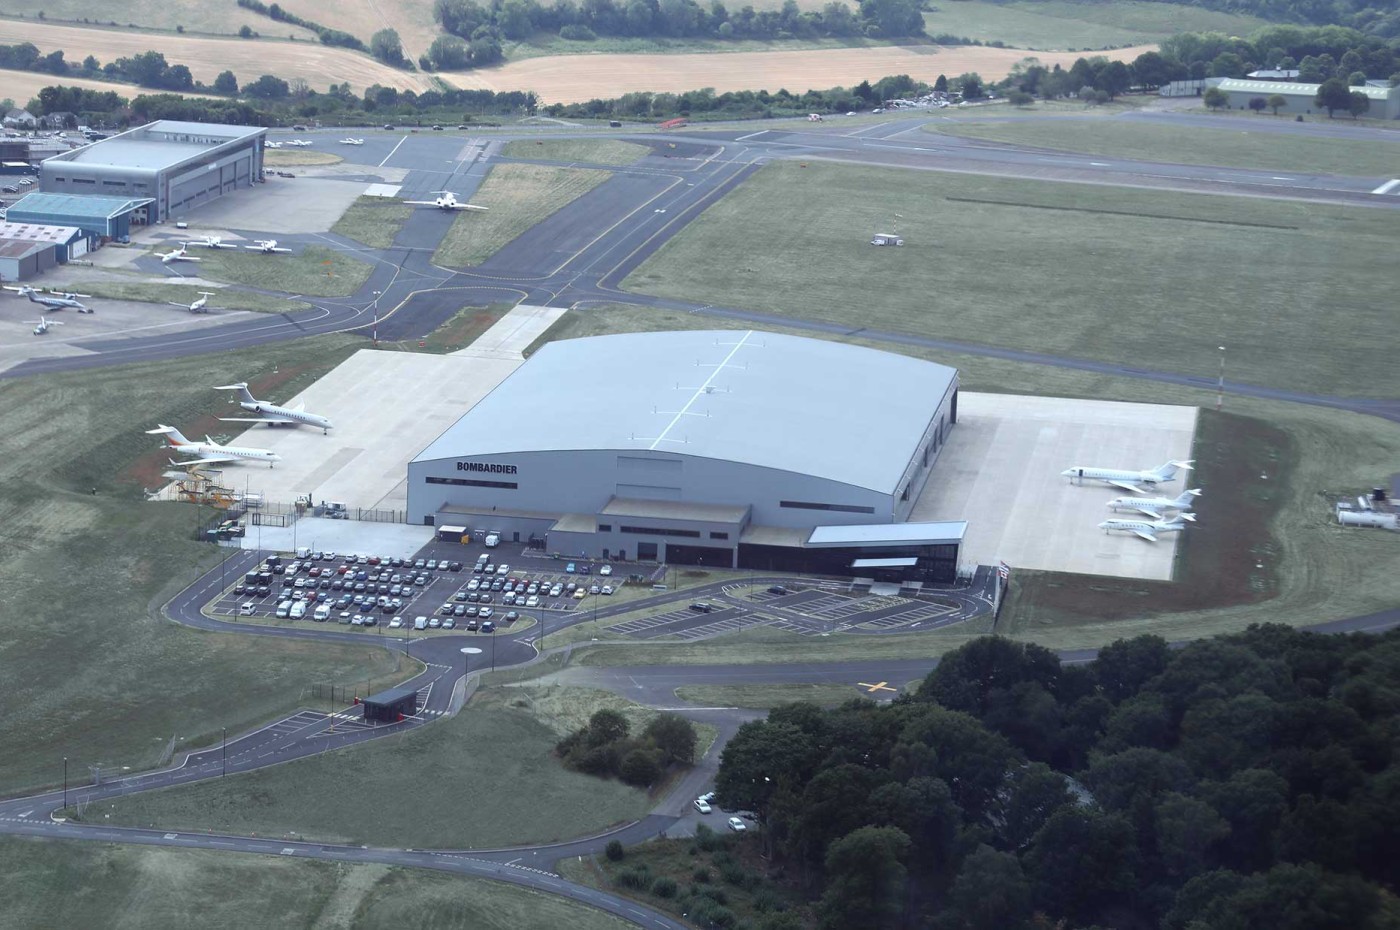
(878, 686)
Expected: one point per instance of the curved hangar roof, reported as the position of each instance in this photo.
(809, 406)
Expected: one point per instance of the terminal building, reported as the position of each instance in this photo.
(171, 165)
(725, 449)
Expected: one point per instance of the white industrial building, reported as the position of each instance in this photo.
(726, 449)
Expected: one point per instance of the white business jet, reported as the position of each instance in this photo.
(53, 299)
(265, 246)
(272, 414)
(212, 242)
(1145, 529)
(1126, 479)
(446, 200)
(178, 255)
(209, 451)
(352, 141)
(1154, 506)
(199, 305)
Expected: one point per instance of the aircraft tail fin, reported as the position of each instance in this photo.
(1168, 471)
(1186, 498)
(242, 389)
(171, 434)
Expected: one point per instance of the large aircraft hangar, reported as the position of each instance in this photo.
(175, 165)
(726, 449)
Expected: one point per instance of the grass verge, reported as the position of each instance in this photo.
(280, 158)
(765, 697)
(1073, 25)
(184, 295)
(96, 675)
(1053, 268)
(1230, 147)
(375, 221)
(592, 151)
(74, 884)
(457, 333)
(518, 197)
(377, 793)
(315, 270)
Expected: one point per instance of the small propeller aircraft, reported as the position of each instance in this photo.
(178, 255)
(265, 246)
(212, 242)
(42, 325)
(53, 299)
(446, 200)
(199, 305)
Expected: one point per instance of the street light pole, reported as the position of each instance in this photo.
(65, 782)
(1220, 393)
(225, 752)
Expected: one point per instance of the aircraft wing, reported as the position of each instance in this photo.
(415, 203)
(1127, 486)
(255, 420)
(469, 206)
(1149, 511)
(1145, 535)
(206, 460)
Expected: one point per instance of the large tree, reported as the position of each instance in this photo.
(386, 46)
(1333, 94)
(865, 879)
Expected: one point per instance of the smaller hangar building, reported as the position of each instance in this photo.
(175, 164)
(729, 449)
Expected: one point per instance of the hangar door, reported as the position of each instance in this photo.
(677, 554)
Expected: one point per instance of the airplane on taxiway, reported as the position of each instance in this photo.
(54, 300)
(272, 414)
(209, 451)
(178, 255)
(1128, 480)
(446, 200)
(1153, 506)
(1146, 529)
(212, 242)
(41, 325)
(199, 305)
(265, 246)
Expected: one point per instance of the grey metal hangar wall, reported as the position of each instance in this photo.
(639, 441)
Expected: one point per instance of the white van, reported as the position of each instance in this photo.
(420, 623)
(493, 539)
(284, 610)
(323, 612)
(303, 552)
(248, 609)
(298, 610)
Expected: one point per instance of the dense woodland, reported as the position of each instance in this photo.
(1248, 782)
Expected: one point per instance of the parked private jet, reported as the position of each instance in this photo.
(1127, 480)
(212, 242)
(265, 246)
(272, 414)
(272, 145)
(209, 451)
(41, 325)
(352, 141)
(53, 300)
(1153, 506)
(1146, 529)
(199, 305)
(446, 200)
(178, 255)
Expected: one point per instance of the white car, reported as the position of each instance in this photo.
(533, 601)
(605, 570)
(607, 589)
(737, 825)
(702, 805)
(396, 623)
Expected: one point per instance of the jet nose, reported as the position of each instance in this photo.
(274, 456)
(1067, 473)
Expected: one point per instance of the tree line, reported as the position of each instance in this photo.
(326, 34)
(1378, 19)
(1248, 782)
(606, 747)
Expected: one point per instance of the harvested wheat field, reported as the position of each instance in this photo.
(22, 85)
(576, 78)
(319, 65)
(412, 19)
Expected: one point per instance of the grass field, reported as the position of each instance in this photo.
(96, 675)
(222, 299)
(1156, 278)
(315, 270)
(1229, 147)
(581, 77)
(375, 221)
(277, 158)
(319, 65)
(483, 778)
(22, 86)
(589, 151)
(765, 697)
(1069, 24)
(1321, 571)
(71, 884)
(517, 198)
(133, 15)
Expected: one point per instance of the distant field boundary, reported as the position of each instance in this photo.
(1134, 215)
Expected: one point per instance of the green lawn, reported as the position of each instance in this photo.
(70, 884)
(375, 221)
(220, 299)
(517, 197)
(1155, 279)
(550, 44)
(484, 778)
(1205, 146)
(766, 697)
(1319, 571)
(315, 270)
(588, 151)
(1071, 25)
(93, 672)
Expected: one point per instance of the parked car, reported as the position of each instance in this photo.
(702, 805)
(605, 570)
(737, 825)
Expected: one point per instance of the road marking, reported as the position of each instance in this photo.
(1276, 178)
(288, 851)
(878, 686)
(1099, 164)
(392, 151)
(26, 813)
(171, 836)
(750, 136)
(1387, 187)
